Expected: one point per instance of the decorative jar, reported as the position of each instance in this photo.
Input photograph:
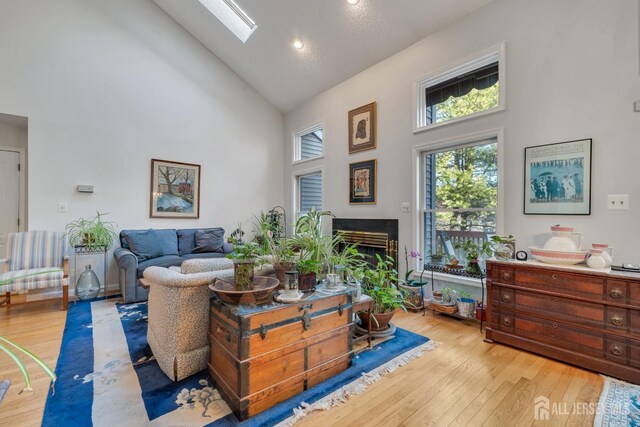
(88, 285)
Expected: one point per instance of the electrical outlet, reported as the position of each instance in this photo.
(62, 207)
(406, 207)
(618, 202)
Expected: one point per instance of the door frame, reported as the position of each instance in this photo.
(22, 191)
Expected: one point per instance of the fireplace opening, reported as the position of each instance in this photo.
(371, 236)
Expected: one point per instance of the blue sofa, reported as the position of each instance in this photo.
(161, 248)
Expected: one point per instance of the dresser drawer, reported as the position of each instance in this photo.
(581, 285)
(561, 335)
(623, 320)
(623, 292)
(503, 320)
(503, 275)
(505, 297)
(559, 308)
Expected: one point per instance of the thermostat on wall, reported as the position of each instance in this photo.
(85, 188)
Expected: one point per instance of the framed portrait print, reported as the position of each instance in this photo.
(362, 182)
(175, 189)
(362, 128)
(558, 178)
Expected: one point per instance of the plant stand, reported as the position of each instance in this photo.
(443, 269)
(82, 250)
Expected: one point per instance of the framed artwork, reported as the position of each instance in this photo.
(362, 128)
(558, 178)
(175, 189)
(362, 182)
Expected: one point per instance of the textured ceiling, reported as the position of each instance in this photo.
(340, 40)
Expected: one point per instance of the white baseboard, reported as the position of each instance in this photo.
(50, 293)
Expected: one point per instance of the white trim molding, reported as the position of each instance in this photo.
(297, 150)
(469, 64)
(22, 191)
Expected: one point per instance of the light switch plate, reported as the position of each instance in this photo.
(406, 206)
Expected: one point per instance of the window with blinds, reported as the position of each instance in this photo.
(308, 144)
(309, 192)
(466, 90)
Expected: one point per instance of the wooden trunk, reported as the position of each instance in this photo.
(265, 355)
(586, 318)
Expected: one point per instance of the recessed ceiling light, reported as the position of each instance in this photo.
(298, 44)
(353, 2)
(232, 16)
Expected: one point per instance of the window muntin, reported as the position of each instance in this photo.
(460, 194)
(309, 144)
(309, 192)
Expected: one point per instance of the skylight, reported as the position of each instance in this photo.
(232, 16)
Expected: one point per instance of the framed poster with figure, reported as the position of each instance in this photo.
(362, 128)
(558, 178)
(175, 189)
(362, 182)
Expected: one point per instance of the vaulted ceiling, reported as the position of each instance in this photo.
(340, 40)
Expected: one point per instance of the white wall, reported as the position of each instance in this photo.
(14, 136)
(108, 85)
(572, 72)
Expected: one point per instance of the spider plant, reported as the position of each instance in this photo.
(94, 233)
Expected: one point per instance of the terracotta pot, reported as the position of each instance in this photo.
(280, 269)
(307, 282)
(380, 321)
(481, 312)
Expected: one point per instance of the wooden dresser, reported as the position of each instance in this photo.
(582, 317)
(263, 355)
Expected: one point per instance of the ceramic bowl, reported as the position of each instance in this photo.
(558, 257)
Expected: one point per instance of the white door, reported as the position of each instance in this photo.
(9, 196)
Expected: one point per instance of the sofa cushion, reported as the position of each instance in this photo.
(168, 239)
(209, 240)
(204, 255)
(162, 261)
(187, 239)
(145, 245)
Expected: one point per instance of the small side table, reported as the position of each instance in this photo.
(365, 304)
(82, 250)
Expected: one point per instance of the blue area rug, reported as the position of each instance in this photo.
(107, 376)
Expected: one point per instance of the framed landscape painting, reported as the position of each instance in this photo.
(362, 182)
(175, 189)
(558, 178)
(362, 128)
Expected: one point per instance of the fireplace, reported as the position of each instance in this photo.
(371, 236)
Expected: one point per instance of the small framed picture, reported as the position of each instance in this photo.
(362, 128)
(175, 189)
(558, 178)
(362, 182)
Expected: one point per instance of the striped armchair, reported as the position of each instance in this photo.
(36, 260)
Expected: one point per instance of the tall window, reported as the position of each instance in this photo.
(308, 144)
(309, 192)
(468, 89)
(461, 194)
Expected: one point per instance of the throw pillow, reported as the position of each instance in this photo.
(209, 240)
(145, 245)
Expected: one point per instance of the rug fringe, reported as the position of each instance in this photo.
(357, 387)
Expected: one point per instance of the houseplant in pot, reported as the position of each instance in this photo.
(379, 284)
(473, 253)
(92, 233)
(310, 240)
(466, 305)
(244, 256)
(504, 247)
(307, 274)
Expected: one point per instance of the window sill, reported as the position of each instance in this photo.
(451, 278)
(311, 159)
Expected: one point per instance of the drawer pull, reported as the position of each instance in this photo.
(506, 275)
(616, 320)
(306, 321)
(616, 293)
(506, 321)
(305, 307)
(554, 277)
(555, 326)
(616, 350)
(263, 331)
(506, 298)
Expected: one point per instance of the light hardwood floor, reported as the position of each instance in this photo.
(463, 382)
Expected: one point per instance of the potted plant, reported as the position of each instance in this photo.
(379, 284)
(310, 240)
(280, 250)
(93, 233)
(244, 256)
(437, 257)
(466, 304)
(344, 261)
(473, 252)
(449, 295)
(307, 274)
(504, 247)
